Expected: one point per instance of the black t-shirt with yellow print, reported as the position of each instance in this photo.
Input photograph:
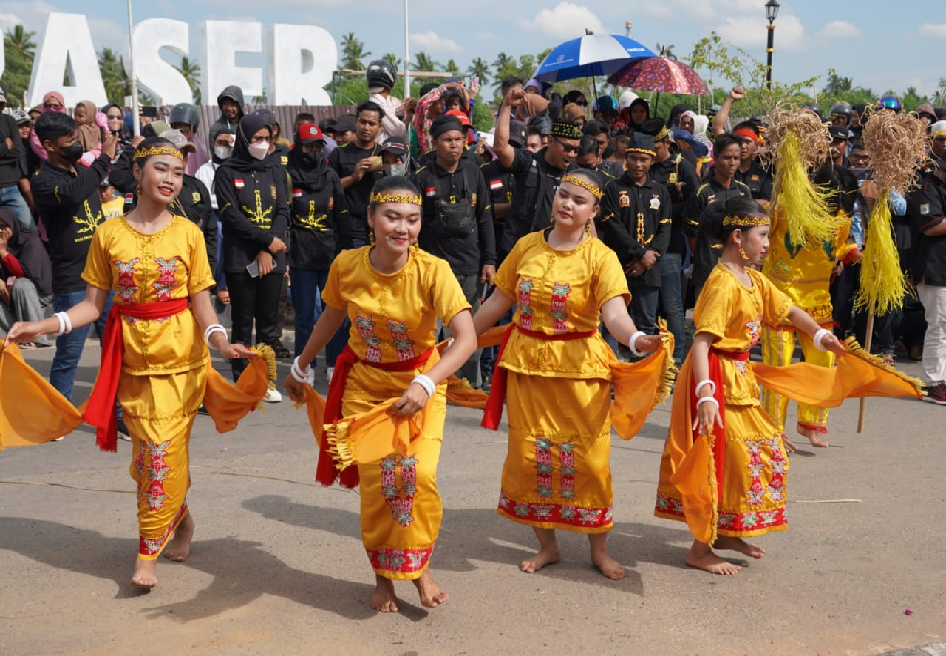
(68, 203)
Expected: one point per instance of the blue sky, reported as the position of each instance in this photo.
(865, 40)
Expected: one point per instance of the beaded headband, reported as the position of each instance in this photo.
(584, 184)
(143, 153)
(750, 221)
(412, 199)
(641, 150)
(663, 134)
(566, 130)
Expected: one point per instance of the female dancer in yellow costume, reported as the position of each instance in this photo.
(393, 294)
(157, 265)
(717, 389)
(557, 371)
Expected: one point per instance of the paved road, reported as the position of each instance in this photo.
(278, 567)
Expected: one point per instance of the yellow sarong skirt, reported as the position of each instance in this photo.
(401, 508)
(557, 472)
(159, 412)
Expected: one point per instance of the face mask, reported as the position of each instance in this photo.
(312, 158)
(396, 169)
(223, 152)
(259, 150)
(73, 153)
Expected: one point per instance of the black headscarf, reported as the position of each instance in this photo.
(241, 160)
(27, 247)
(308, 174)
(630, 113)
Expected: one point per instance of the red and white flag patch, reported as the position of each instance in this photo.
(297, 193)
(495, 185)
(239, 184)
(431, 191)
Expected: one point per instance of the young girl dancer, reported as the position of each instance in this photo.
(393, 294)
(555, 373)
(155, 359)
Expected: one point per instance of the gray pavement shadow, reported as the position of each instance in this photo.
(242, 571)
(479, 534)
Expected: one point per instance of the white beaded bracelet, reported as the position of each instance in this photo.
(65, 323)
(701, 384)
(301, 375)
(632, 344)
(214, 328)
(820, 335)
(426, 382)
(708, 399)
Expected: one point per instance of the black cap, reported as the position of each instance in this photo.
(541, 124)
(345, 123)
(839, 132)
(395, 145)
(327, 125)
(653, 127)
(518, 133)
(639, 142)
(444, 124)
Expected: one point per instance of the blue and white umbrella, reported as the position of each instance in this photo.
(590, 56)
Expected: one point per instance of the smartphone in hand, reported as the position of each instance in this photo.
(253, 269)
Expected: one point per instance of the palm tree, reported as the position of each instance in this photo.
(479, 68)
(353, 51)
(837, 85)
(502, 60)
(393, 59)
(112, 68)
(191, 72)
(425, 62)
(21, 41)
(666, 51)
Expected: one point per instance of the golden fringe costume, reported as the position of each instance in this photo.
(803, 273)
(164, 366)
(733, 482)
(558, 374)
(393, 317)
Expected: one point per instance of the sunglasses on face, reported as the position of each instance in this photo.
(568, 148)
(52, 106)
(114, 116)
(582, 104)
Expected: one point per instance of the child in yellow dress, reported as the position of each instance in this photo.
(554, 371)
(393, 293)
(717, 393)
(154, 353)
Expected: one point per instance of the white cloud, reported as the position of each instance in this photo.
(9, 21)
(432, 41)
(935, 30)
(840, 30)
(566, 21)
(752, 32)
(658, 12)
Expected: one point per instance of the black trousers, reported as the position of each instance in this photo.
(253, 300)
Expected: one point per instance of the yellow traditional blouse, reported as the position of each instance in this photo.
(168, 265)
(804, 273)
(733, 314)
(393, 316)
(559, 292)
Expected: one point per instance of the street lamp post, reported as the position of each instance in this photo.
(771, 12)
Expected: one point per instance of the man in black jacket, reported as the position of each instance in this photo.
(927, 210)
(11, 168)
(67, 199)
(636, 224)
(230, 101)
(457, 224)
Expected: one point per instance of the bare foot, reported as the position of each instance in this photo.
(740, 545)
(790, 446)
(431, 595)
(384, 600)
(608, 566)
(546, 556)
(702, 557)
(814, 437)
(180, 547)
(146, 574)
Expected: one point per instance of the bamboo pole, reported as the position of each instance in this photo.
(869, 337)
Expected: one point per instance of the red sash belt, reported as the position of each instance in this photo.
(716, 375)
(100, 410)
(497, 392)
(326, 472)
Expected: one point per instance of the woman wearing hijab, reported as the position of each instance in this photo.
(88, 133)
(52, 102)
(251, 195)
(316, 214)
(636, 114)
(221, 148)
(26, 285)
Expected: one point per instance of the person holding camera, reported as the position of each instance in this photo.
(457, 218)
(251, 194)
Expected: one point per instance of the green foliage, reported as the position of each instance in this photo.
(18, 51)
(393, 59)
(482, 117)
(112, 68)
(191, 72)
(353, 90)
(480, 68)
(353, 52)
(425, 62)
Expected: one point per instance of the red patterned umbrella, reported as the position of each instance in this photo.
(660, 74)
